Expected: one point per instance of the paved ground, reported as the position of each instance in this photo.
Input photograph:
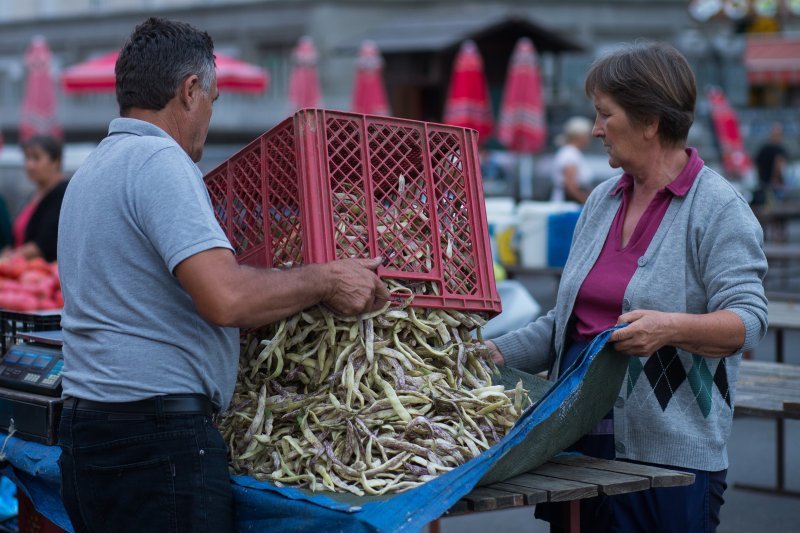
(752, 460)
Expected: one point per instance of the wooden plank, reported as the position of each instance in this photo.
(488, 499)
(659, 477)
(779, 391)
(774, 250)
(460, 507)
(785, 315)
(761, 411)
(791, 406)
(558, 490)
(609, 483)
(782, 296)
(768, 369)
(755, 382)
(763, 388)
(531, 495)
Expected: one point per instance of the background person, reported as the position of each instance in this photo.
(671, 249)
(572, 176)
(770, 162)
(153, 300)
(6, 238)
(35, 230)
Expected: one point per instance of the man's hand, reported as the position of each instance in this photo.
(355, 288)
(647, 332)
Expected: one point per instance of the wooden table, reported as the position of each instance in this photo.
(567, 478)
(783, 316)
(783, 259)
(770, 390)
(774, 217)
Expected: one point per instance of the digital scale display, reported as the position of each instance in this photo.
(35, 365)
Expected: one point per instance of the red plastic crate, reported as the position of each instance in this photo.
(325, 185)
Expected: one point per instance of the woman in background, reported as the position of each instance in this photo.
(35, 230)
(571, 174)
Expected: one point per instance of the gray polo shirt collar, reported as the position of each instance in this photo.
(138, 127)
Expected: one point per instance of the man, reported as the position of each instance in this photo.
(153, 297)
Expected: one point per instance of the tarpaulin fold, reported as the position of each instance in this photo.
(561, 413)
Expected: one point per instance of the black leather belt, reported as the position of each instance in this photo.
(172, 403)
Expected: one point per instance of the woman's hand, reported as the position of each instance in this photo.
(495, 354)
(717, 334)
(647, 332)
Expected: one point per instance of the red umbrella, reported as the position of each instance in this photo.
(369, 93)
(726, 127)
(304, 88)
(97, 75)
(521, 126)
(467, 103)
(38, 114)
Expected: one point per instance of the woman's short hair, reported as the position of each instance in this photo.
(649, 80)
(52, 146)
(158, 56)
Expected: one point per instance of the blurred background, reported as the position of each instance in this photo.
(418, 42)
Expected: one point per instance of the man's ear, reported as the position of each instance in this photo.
(188, 91)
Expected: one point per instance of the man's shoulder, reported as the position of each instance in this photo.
(125, 149)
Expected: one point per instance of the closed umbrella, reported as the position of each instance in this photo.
(521, 125)
(467, 103)
(38, 113)
(735, 160)
(97, 75)
(304, 88)
(369, 92)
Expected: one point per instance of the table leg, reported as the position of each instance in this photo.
(780, 444)
(572, 518)
(779, 459)
(780, 467)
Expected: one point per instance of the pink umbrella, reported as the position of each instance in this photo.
(369, 92)
(304, 88)
(521, 126)
(38, 113)
(97, 75)
(467, 103)
(735, 160)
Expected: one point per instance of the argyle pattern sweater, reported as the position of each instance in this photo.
(675, 408)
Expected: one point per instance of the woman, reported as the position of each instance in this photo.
(35, 229)
(672, 250)
(571, 174)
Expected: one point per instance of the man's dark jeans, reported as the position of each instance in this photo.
(144, 472)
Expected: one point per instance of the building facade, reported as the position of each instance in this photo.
(419, 39)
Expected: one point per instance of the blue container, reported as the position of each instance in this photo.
(560, 227)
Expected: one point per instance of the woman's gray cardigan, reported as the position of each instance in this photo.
(705, 256)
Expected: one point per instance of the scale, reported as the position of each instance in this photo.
(30, 386)
(34, 364)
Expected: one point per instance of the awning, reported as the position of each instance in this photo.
(772, 60)
(419, 34)
(97, 75)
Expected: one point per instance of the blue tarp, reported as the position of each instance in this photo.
(261, 506)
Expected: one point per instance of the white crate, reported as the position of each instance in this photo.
(532, 230)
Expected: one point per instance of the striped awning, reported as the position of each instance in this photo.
(772, 60)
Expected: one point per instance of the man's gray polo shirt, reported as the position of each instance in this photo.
(132, 212)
